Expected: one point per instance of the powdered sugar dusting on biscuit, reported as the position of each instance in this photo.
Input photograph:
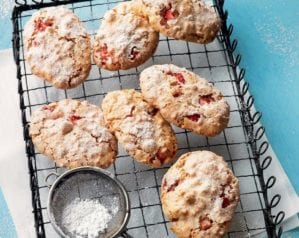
(73, 134)
(124, 39)
(139, 128)
(143, 131)
(57, 47)
(199, 194)
(185, 99)
(185, 20)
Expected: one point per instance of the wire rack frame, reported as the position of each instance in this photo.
(250, 119)
(254, 131)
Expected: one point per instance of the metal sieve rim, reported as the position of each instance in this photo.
(57, 228)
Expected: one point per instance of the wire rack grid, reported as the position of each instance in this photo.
(240, 143)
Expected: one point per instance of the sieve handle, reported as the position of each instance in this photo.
(48, 176)
(126, 235)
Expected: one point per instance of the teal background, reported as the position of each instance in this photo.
(5, 33)
(268, 35)
(7, 228)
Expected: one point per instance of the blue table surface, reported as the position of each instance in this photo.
(268, 36)
(7, 228)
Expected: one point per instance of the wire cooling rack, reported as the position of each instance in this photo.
(240, 143)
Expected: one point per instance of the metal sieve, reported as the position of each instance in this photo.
(89, 183)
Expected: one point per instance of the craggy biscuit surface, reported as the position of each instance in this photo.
(57, 47)
(185, 99)
(190, 20)
(73, 134)
(124, 39)
(199, 195)
(139, 128)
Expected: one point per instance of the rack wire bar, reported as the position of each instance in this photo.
(241, 143)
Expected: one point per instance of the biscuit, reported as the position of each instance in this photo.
(139, 128)
(73, 134)
(199, 194)
(124, 39)
(185, 99)
(57, 47)
(190, 20)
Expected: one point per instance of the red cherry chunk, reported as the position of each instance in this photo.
(205, 223)
(206, 99)
(225, 202)
(194, 117)
(104, 54)
(167, 13)
(173, 186)
(160, 156)
(178, 76)
(74, 118)
(134, 53)
(41, 25)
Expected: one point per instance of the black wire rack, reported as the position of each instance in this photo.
(241, 144)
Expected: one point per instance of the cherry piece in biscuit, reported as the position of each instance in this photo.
(167, 14)
(194, 117)
(41, 25)
(74, 118)
(206, 99)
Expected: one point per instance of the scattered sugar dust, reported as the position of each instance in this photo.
(279, 39)
(6, 7)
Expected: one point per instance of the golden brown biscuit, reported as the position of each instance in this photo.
(190, 20)
(185, 99)
(124, 39)
(139, 128)
(199, 195)
(57, 47)
(73, 134)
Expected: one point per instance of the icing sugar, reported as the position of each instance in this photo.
(56, 42)
(127, 30)
(87, 218)
(143, 130)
